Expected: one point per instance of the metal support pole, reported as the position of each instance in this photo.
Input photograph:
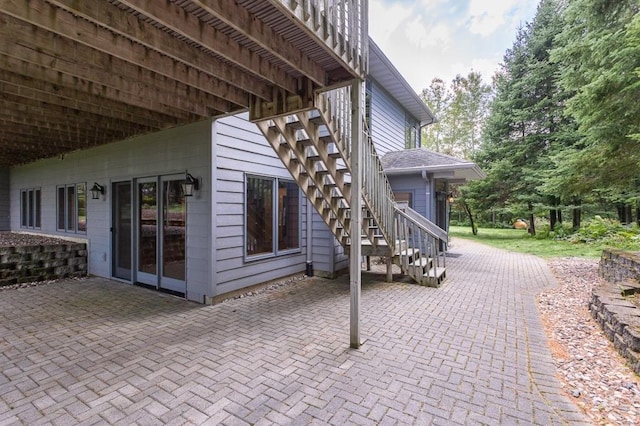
(356, 213)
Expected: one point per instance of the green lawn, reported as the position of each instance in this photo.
(518, 240)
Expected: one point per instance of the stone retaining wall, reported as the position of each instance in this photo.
(614, 305)
(618, 265)
(43, 262)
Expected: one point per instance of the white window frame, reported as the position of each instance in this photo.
(31, 208)
(70, 225)
(275, 251)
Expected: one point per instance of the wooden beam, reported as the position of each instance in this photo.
(68, 26)
(257, 31)
(193, 28)
(110, 79)
(36, 92)
(73, 136)
(129, 26)
(15, 112)
(16, 143)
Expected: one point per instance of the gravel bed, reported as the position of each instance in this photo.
(589, 368)
(16, 239)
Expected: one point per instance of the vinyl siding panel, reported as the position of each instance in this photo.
(5, 209)
(240, 149)
(323, 247)
(341, 261)
(423, 192)
(387, 121)
(156, 154)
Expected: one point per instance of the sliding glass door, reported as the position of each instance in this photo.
(161, 233)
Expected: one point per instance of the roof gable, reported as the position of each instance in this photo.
(387, 75)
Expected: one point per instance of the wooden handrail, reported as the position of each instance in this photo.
(415, 235)
(424, 223)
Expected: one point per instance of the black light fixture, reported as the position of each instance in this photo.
(451, 198)
(96, 191)
(189, 185)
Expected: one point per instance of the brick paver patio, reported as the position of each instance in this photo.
(471, 352)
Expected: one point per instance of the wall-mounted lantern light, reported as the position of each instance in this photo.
(450, 198)
(96, 191)
(189, 185)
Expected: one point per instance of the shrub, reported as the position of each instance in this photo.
(608, 232)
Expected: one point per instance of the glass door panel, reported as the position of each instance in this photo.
(174, 215)
(121, 230)
(147, 195)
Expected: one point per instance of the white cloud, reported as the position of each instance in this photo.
(486, 66)
(441, 38)
(487, 17)
(384, 20)
(423, 35)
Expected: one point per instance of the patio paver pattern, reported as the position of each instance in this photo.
(471, 352)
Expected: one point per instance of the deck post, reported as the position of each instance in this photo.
(355, 272)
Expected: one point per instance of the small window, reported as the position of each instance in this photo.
(30, 205)
(404, 197)
(272, 219)
(411, 139)
(71, 208)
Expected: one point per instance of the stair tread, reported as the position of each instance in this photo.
(410, 252)
(422, 261)
(439, 271)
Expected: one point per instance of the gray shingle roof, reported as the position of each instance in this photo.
(419, 158)
(422, 159)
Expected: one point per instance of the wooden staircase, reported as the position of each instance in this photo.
(315, 147)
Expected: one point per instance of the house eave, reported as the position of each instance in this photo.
(472, 169)
(385, 73)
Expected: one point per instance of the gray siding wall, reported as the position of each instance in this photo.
(5, 209)
(168, 152)
(387, 121)
(240, 148)
(323, 247)
(417, 186)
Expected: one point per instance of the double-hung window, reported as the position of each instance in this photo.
(30, 208)
(72, 208)
(272, 216)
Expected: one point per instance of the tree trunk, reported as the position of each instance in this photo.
(577, 213)
(553, 218)
(559, 215)
(624, 213)
(467, 209)
(532, 222)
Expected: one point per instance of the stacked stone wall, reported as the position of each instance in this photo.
(618, 265)
(24, 264)
(615, 305)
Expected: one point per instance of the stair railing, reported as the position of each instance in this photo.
(377, 190)
(433, 229)
(341, 24)
(414, 233)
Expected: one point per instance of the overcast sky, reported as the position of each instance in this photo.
(441, 38)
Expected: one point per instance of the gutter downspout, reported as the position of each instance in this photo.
(430, 200)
